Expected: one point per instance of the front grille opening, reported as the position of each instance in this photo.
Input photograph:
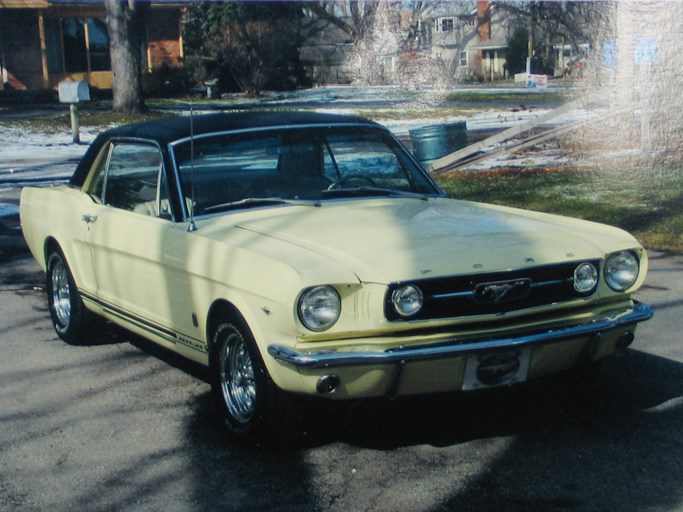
(491, 292)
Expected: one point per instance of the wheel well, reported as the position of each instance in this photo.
(222, 310)
(51, 245)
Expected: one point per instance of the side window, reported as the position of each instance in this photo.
(163, 202)
(96, 187)
(134, 180)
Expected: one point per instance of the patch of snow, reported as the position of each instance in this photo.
(28, 156)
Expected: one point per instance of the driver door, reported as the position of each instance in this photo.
(126, 234)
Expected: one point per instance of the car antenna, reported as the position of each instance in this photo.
(192, 227)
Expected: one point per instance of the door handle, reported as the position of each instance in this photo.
(89, 218)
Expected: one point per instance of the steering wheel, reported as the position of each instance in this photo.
(350, 179)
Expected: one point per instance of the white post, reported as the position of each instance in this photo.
(75, 125)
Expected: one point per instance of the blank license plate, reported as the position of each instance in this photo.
(496, 369)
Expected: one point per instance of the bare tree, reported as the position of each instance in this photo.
(551, 22)
(374, 27)
(361, 19)
(124, 27)
(355, 17)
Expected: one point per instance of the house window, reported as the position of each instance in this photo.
(77, 45)
(444, 24)
(389, 64)
(98, 45)
(462, 58)
(74, 45)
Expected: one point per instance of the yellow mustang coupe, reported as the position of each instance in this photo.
(310, 254)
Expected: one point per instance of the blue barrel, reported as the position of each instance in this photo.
(433, 142)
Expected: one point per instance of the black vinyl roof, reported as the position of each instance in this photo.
(166, 131)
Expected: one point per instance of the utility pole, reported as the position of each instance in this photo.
(532, 24)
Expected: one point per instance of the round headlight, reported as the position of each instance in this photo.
(407, 300)
(621, 270)
(585, 277)
(319, 308)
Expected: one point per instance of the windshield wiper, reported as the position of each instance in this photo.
(249, 202)
(369, 192)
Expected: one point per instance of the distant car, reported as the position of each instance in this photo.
(311, 254)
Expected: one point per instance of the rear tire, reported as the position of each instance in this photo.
(69, 316)
(248, 400)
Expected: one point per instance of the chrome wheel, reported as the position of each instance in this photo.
(61, 293)
(69, 316)
(237, 381)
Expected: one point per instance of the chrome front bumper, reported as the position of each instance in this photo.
(605, 322)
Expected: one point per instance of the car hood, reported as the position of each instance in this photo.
(386, 240)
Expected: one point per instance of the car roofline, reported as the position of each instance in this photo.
(281, 127)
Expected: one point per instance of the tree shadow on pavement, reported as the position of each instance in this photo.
(17, 267)
(616, 449)
(609, 446)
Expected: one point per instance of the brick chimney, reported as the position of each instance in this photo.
(483, 20)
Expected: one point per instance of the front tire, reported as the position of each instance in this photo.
(68, 314)
(244, 393)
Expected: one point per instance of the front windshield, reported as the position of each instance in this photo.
(228, 171)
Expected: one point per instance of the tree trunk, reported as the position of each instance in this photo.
(123, 24)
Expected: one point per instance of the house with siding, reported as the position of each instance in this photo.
(43, 42)
(470, 38)
(463, 40)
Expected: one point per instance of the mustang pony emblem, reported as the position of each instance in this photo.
(496, 293)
